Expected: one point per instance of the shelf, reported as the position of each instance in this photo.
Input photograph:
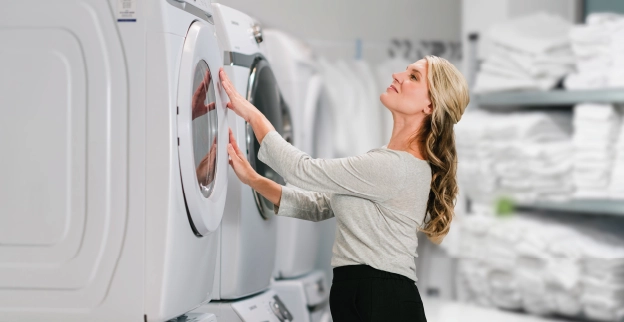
(590, 206)
(439, 310)
(550, 98)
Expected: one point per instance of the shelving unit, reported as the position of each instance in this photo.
(589, 206)
(559, 98)
(549, 98)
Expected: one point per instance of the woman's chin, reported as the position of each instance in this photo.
(383, 98)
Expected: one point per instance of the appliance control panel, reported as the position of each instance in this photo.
(201, 4)
(265, 307)
(195, 317)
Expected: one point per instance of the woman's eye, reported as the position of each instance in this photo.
(413, 77)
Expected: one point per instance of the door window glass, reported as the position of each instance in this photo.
(204, 127)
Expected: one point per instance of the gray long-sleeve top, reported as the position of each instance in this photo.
(379, 200)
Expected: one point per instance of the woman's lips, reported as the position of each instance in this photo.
(393, 88)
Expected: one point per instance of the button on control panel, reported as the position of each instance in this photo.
(264, 307)
(280, 309)
(195, 317)
(201, 4)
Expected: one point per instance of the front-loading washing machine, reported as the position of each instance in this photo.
(306, 297)
(301, 82)
(247, 237)
(297, 240)
(117, 175)
(304, 248)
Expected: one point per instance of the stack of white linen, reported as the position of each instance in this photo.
(528, 53)
(534, 171)
(474, 172)
(472, 271)
(596, 127)
(599, 52)
(616, 76)
(543, 266)
(603, 278)
(527, 156)
(616, 186)
(549, 280)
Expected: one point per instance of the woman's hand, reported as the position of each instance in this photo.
(204, 172)
(247, 175)
(237, 102)
(197, 103)
(239, 163)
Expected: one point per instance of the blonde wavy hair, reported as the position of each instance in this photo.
(448, 92)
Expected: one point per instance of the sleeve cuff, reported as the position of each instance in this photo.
(263, 154)
(285, 202)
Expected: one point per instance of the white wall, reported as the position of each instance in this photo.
(333, 25)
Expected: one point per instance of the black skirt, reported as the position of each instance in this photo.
(362, 293)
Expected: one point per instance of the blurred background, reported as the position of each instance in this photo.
(538, 233)
(539, 227)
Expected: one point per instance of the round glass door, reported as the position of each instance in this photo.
(205, 126)
(202, 130)
(265, 95)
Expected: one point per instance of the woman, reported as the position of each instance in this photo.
(380, 199)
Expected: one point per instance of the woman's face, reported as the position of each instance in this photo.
(409, 93)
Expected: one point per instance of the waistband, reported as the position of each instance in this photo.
(350, 272)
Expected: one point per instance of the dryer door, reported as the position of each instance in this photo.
(264, 93)
(202, 130)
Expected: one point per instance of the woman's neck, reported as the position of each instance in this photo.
(403, 131)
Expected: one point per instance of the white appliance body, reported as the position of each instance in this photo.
(247, 238)
(262, 307)
(102, 134)
(303, 89)
(307, 297)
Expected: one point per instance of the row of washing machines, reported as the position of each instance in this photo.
(118, 203)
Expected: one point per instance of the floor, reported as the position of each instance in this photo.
(444, 311)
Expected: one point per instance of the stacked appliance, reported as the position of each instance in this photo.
(247, 237)
(305, 289)
(116, 117)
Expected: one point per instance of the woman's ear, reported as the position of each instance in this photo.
(428, 110)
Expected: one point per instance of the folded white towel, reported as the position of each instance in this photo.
(616, 78)
(598, 47)
(596, 63)
(538, 33)
(528, 53)
(587, 124)
(590, 35)
(593, 143)
(599, 112)
(554, 64)
(535, 298)
(584, 184)
(487, 83)
(603, 18)
(586, 81)
(593, 158)
(586, 53)
(530, 127)
(567, 304)
(602, 309)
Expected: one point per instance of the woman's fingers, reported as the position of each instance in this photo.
(233, 156)
(227, 85)
(235, 146)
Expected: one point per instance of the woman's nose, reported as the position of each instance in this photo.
(395, 77)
